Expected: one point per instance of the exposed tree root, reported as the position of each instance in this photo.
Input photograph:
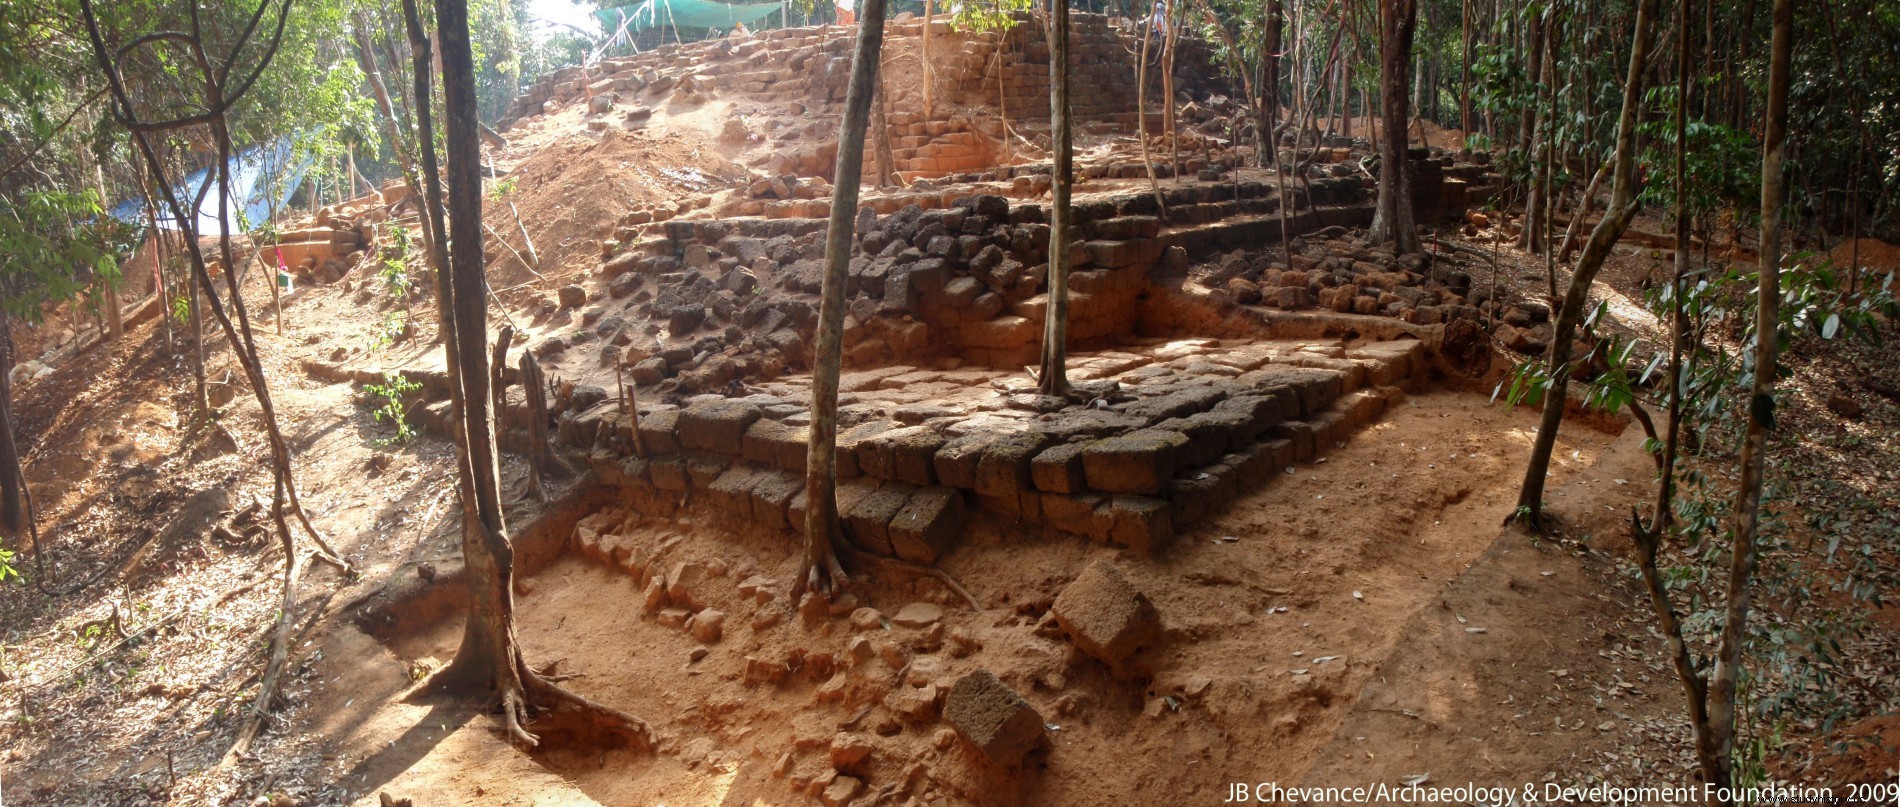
(821, 573)
(280, 643)
(524, 696)
(865, 559)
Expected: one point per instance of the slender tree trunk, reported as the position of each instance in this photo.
(1392, 220)
(12, 478)
(1725, 677)
(929, 73)
(1464, 73)
(1170, 43)
(1534, 57)
(1537, 122)
(392, 129)
(1269, 104)
(1530, 500)
(1648, 537)
(886, 162)
(821, 571)
(421, 57)
(1054, 374)
(1141, 102)
(490, 656)
(1582, 212)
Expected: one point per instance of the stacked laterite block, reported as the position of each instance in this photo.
(1202, 423)
(968, 279)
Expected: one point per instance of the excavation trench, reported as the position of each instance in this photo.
(1288, 593)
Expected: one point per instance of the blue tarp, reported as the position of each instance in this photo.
(262, 179)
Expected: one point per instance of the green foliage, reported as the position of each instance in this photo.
(394, 269)
(392, 329)
(387, 402)
(7, 569)
(988, 15)
(1721, 164)
(52, 245)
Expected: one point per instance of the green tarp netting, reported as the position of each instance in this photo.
(683, 14)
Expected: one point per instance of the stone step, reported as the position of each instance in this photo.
(1201, 423)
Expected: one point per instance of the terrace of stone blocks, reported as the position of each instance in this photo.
(1217, 355)
(1226, 327)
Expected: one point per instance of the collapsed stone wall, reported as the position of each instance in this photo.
(966, 280)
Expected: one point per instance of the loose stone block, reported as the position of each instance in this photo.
(772, 494)
(1003, 470)
(1208, 435)
(956, 462)
(1107, 617)
(657, 430)
(1058, 469)
(731, 493)
(1179, 403)
(849, 441)
(1079, 514)
(993, 718)
(668, 473)
(1140, 523)
(902, 455)
(762, 441)
(1262, 412)
(1301, 437)
(1138, 462)
(867, 523)
(928, 524)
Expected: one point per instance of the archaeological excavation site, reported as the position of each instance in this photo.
(918, 405)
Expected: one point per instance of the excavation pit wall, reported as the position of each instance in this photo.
(810, 67)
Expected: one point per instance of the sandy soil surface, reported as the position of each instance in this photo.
(1357, 621)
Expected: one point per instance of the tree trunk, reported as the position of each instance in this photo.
(1582, 212)
(490, 655)
(881, 139)
(1141, 101)
(1761, 408)
(1536, 122)
(929, 74)
(1169, 44)
(1054, 374)
(821, 572)
(1269, 103)
(430, 201)
(1530, 500)
(488, 640)
(1392, 219)
(366, 57)
(12, 479)
(534, 389)
(1464, 75)
(1534, 57)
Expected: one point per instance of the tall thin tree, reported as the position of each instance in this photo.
(1053, 377)
(490, 655)
(1392, 219)
(1530, 498)
(1725, 678)
(821, 573)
